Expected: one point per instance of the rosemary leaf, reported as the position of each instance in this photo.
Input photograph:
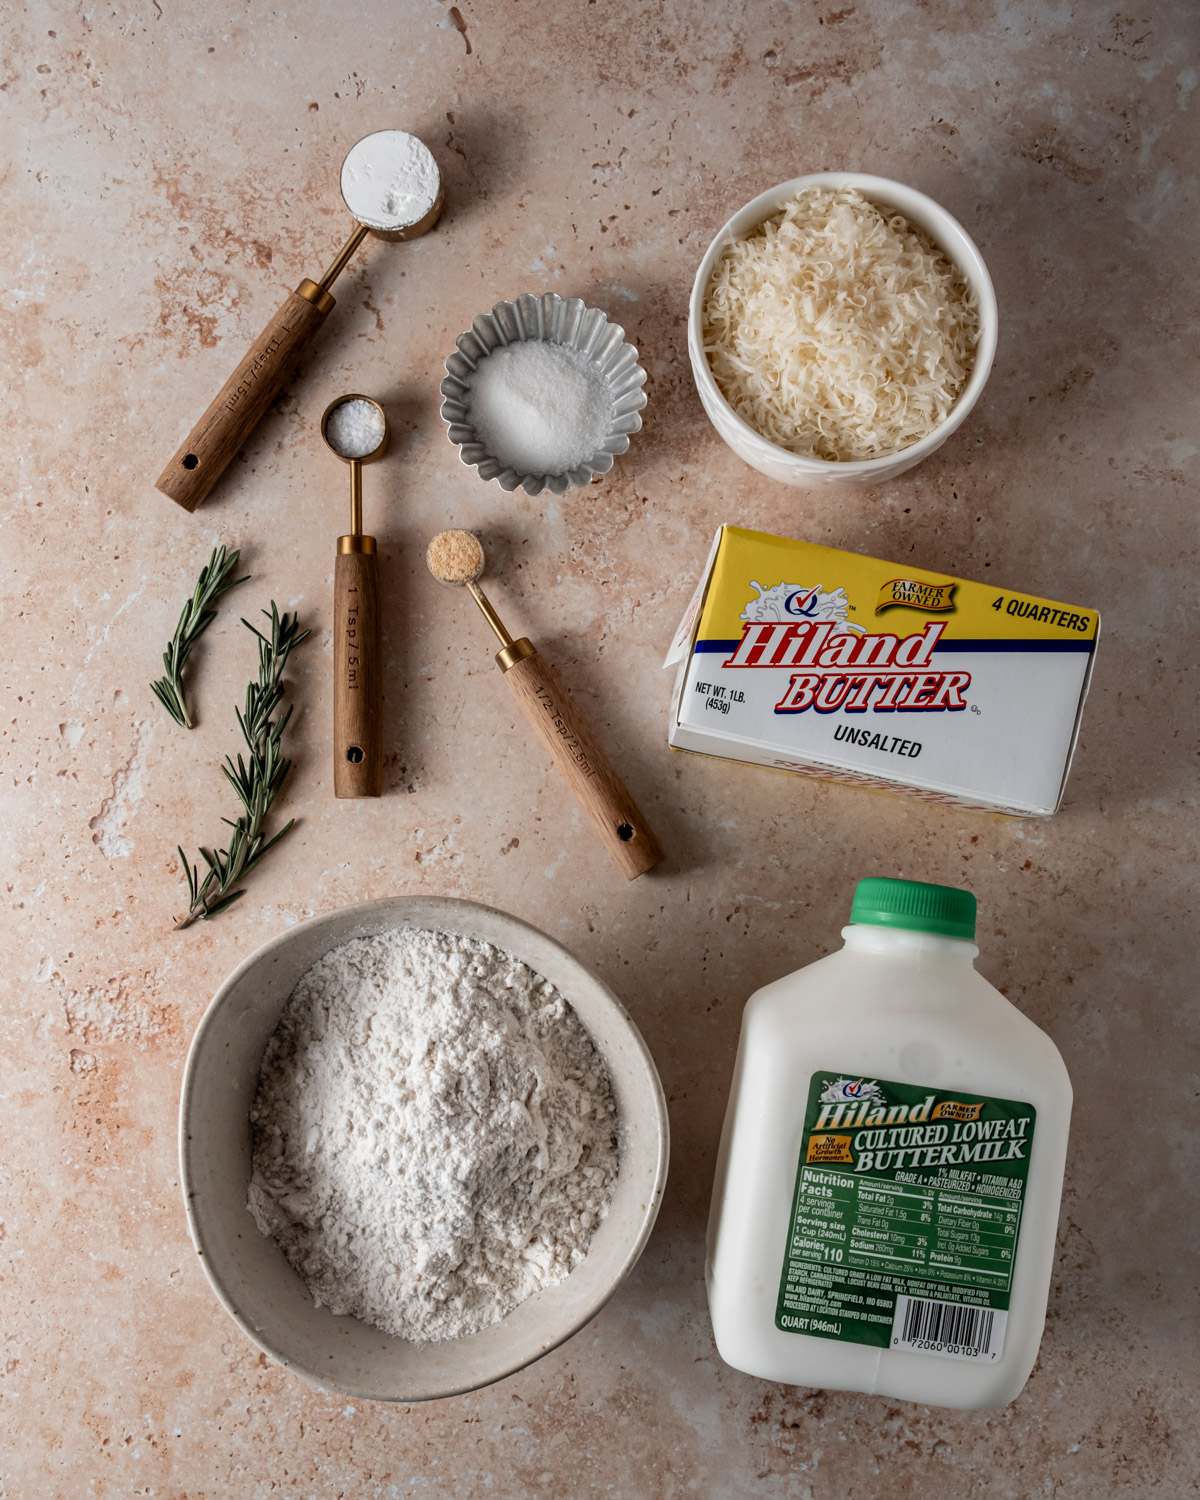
(198, 614)
(257, 781)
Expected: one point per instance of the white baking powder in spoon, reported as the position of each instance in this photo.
(390, 180)
(434, 1134)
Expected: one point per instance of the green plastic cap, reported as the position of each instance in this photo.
(943, 909)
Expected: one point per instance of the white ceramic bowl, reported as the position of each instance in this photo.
(251, 1275)
(944, 231)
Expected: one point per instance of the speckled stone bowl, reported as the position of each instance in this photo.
(554, 320)
(251, 1275)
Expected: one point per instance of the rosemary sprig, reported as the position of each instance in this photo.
(198, 614)
(257, 781)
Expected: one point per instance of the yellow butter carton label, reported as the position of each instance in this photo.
(831, 663)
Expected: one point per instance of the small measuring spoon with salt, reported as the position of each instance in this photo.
(356, 429)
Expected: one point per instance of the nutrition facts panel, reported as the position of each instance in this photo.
(876, 1224)
(905, 1217)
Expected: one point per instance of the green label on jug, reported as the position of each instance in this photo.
(905, 1217)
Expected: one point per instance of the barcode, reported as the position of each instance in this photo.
(948, 1328)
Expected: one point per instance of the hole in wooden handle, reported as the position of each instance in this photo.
(624, 832)
(354, 754)
(190, 461)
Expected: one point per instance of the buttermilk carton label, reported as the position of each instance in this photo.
(831, 664)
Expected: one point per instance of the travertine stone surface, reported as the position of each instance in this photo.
(168, 170)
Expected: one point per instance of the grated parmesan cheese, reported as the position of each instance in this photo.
(839, 331)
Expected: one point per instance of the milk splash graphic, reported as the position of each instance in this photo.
(847, 1089)
(791, 601)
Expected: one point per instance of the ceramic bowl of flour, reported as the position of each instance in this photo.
(249, 1271)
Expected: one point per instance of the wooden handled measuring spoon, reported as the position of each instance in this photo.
(392, 186)
(456, 557)
(356, 429)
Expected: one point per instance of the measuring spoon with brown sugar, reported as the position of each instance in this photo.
(456, 557)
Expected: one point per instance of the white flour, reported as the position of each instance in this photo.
(390, 180)
(434, 1134)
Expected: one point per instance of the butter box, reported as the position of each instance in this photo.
(835, 665)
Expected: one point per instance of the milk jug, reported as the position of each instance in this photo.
(888, 1182)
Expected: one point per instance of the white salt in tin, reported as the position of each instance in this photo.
(580, 332)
